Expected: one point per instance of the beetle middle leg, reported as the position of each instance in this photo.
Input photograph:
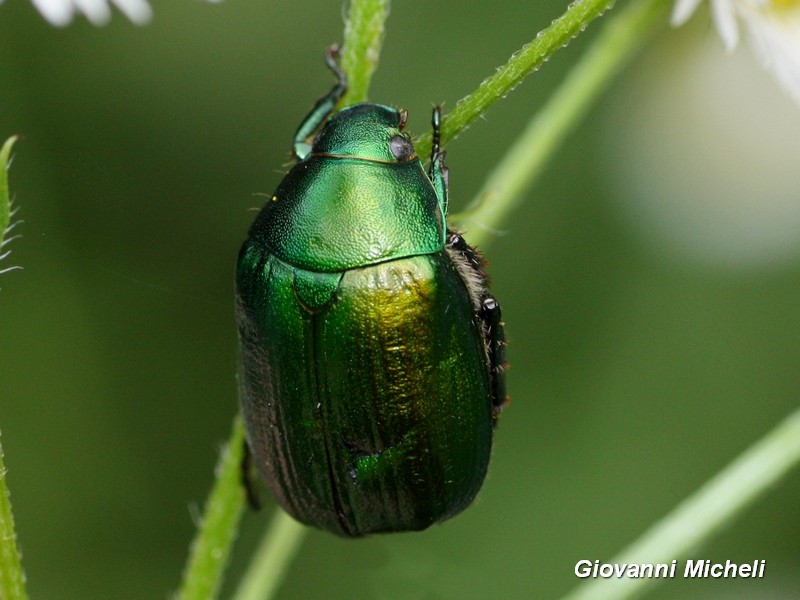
(470, 266)
(437, 171)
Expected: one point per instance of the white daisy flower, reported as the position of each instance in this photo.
(61, 12)
(773, 25)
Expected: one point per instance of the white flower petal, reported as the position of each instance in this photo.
(97, 11)
(58, 12)
(722, 188)
(773, 27)
(776, 36)
(725, 20)
(682, 11)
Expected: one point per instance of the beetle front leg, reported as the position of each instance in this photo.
(438, 172)
(322, 109)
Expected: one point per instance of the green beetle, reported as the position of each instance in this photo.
(372, 353)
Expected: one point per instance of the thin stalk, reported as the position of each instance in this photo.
(12, 577)
(618, 42)
(271, 562)
(216, 533)
(6, 214)
(363, 39)
(5, 200)
(5, 196)
(529, 58)
(701, 516)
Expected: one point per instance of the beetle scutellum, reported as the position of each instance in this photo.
(372, 352)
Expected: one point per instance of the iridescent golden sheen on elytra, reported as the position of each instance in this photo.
(374, 413)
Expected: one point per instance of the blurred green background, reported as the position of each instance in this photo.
(652, 299)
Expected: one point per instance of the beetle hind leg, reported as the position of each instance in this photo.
(249, 478)
(496, 348)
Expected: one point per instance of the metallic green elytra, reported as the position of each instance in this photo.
(372, 353)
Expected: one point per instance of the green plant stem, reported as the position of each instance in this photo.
(363, 39)
(268, 568)
(529, 58)
(698, 518)
(619, 40)
(12, 578)
(217, 531)
(5, 199)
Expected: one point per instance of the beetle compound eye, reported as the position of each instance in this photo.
(401, 147)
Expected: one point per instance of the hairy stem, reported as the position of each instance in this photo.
(363, 39)
(12, 578)
(5, 202)
(216, 533)
(619, 40)
(529, 58)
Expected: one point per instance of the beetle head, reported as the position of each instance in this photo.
(366, 131)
